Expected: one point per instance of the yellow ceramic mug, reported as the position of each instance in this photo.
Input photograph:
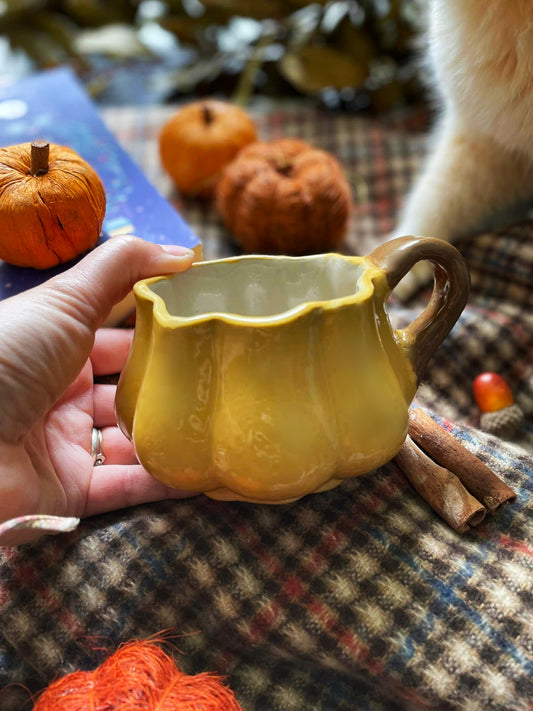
(266, 378)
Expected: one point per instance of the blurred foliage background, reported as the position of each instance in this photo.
(351, 55)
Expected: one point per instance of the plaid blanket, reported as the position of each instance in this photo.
(358, 598)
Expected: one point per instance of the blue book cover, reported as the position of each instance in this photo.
(53, 106)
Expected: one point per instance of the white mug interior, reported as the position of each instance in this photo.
(258, 287)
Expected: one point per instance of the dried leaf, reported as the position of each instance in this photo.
(94, 13)
(187, 78)
(257, 9)
(311, 69)
(354, 41)
(186, 29)
(304, 3)
(38, 45)
(60, 28)
(119, 41)
(12, 9)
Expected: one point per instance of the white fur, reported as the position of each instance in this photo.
(481, 155)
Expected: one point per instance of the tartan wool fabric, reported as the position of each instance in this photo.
(358, 598)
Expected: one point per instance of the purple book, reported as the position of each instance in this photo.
(53, 106)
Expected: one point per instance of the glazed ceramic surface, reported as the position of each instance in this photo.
(266, 378)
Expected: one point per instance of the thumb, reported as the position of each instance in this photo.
(106, 275)
(47, 333)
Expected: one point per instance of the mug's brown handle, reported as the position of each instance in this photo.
(450, 291)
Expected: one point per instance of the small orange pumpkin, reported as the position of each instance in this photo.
(285, 197)
(200, 140)
(52, 205)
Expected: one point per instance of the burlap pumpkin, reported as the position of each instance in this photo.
(285, 197)
(199, 140)
(52, 205)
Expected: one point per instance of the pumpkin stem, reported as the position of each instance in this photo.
(208, 114)
(39, 157)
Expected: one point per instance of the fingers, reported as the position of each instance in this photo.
(103, 278)
(104, 405)
(116, 447)
(122, 481)
(111, 346)
(48, 331)
(115, 487)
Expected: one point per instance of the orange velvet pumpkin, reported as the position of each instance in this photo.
(285, 197)
(200, 140)
(52, 205)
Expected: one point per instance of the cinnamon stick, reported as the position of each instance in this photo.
(480, 481)
(440, 488)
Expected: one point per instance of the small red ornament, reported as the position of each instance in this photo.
(500, 414)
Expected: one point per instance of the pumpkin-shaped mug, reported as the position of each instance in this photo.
(264, 378)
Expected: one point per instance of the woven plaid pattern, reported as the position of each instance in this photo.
(358, 598)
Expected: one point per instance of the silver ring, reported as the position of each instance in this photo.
(96, 447)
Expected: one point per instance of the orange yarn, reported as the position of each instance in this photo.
(139, 676)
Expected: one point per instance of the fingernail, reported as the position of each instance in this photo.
(177, 250)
